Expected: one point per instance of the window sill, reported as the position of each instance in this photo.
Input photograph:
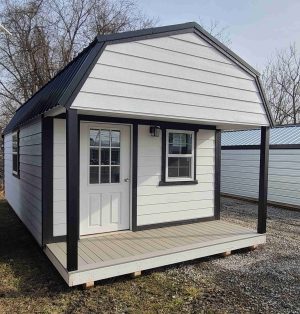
(165, 183)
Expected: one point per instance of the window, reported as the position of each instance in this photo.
(104, 165)
(178, 157)
(15, 153)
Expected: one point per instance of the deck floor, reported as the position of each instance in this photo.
(125, 247)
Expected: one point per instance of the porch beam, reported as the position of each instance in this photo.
(217, 195)
(72, 132)
(263, 180)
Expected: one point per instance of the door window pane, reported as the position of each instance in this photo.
(105, 152)
(104, 156)
(104, 175)
(115, 138)
(94, 175)
(94, 137)
(94, 156)
(115, 174)
(105, 138)
(115, 156)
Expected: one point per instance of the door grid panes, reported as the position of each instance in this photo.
(104, 165)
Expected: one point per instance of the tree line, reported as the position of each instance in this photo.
(48, 34)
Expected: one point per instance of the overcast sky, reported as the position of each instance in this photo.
(257, 28)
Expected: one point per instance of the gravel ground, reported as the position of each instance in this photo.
(266, 280)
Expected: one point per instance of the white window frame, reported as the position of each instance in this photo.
(192, 155)
(17, 153)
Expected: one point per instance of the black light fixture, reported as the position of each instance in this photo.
(154, 131)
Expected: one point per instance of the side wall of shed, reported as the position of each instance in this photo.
(240, 174)
(24, 194)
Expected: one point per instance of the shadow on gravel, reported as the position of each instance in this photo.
(262, 281)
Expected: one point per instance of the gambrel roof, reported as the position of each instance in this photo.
(63, 88)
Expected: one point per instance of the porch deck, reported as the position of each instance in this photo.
(115, 254)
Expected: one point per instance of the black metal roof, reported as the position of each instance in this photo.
(65, 85)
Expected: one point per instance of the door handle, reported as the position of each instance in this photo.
(126, 180)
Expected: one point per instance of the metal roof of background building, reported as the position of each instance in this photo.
(283, 135)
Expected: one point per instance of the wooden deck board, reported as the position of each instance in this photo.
(160, 245)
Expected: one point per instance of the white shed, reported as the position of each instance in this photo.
(114, 165)
(240, 165)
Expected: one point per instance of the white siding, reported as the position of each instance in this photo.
(176, 77)
(59, 177)
(240, 174)
(25, 194)
(158, 204)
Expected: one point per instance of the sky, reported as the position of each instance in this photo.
(257, 28)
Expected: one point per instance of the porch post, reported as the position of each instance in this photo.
(217, 174)
(47, 180)
(72, 128)
(263, 180)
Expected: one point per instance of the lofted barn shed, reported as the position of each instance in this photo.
(114, 165)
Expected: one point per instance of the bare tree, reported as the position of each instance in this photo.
(217, 30)
(48, 34)
(281, 80)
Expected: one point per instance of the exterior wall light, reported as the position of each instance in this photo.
(154, 131)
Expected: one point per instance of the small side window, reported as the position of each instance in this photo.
(180, 155)
(15, 154)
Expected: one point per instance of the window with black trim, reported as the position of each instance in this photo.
(179, 156)
(15, 154)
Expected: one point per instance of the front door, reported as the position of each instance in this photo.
(104, 177)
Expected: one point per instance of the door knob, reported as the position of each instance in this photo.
(126, 179)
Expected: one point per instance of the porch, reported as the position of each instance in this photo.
(115, 254)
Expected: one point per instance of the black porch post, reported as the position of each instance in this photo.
(72, 129)
(263, 180)
(217, 174)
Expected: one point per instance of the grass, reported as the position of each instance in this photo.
(30, 284)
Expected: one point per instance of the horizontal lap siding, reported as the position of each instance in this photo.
(25, 194)
(240, 174)
(159, 204)
(59, 178)
(179, 76)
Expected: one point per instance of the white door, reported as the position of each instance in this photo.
(104, 177)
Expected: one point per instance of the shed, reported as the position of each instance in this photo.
(114, 165)
(240, 165)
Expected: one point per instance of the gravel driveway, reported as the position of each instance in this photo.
(266, 280)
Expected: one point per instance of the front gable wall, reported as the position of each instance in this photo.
(178, 76)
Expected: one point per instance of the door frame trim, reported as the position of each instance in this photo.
(131, 212)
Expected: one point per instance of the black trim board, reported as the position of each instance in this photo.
(173, 223)
(47, 180)
(273, 147)
(217, 190)
(161, 124)
(263, 181)
(135, 135)
(72, 131)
